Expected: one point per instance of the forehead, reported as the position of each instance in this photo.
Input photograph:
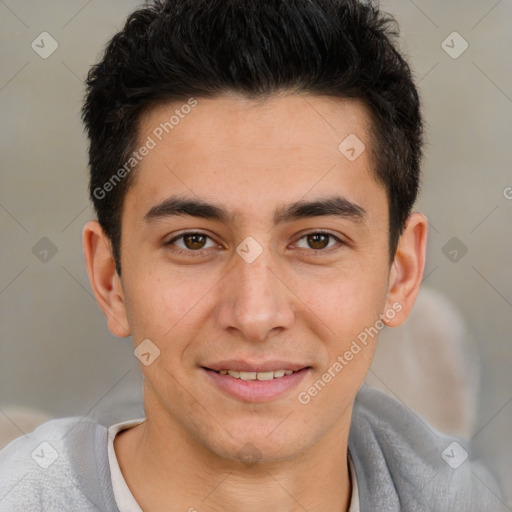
(233, 120)
(248, 153)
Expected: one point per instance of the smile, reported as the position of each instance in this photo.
(256, 386)
(276, 374)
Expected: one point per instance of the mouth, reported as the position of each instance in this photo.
(256, 383)
(254, 375)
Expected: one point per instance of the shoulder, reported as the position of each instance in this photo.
(402, 463)
(61, 465)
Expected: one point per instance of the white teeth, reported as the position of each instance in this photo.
(247, 375)
(256, 375)
(265, 375)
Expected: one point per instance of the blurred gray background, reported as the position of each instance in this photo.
(56, 354)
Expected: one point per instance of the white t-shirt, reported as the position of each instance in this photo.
(124, 498)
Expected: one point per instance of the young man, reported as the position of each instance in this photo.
(253, 169)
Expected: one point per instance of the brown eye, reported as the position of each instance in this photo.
(319, 241)
(191, 242)
(194, 241)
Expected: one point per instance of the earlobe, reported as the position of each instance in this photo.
(104, 279)
(406, 271)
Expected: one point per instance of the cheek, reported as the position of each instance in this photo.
(348, 302)
(158, 304)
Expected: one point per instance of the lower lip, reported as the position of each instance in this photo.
(257, 390)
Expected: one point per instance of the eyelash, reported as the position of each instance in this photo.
(199, 252)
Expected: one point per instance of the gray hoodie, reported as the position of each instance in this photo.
(402, 464)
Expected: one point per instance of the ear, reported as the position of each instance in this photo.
(407, 269)
(105, 281)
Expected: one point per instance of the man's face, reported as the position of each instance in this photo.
(247, 293)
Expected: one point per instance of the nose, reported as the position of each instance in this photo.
(255, 302)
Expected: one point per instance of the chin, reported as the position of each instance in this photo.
(252, 446)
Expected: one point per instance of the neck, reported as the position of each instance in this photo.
(164, 468)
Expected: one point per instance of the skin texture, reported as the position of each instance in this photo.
(301, 301)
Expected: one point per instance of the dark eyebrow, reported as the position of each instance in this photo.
(336, 206)
(184, 206)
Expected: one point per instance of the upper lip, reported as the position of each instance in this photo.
(256, 366)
